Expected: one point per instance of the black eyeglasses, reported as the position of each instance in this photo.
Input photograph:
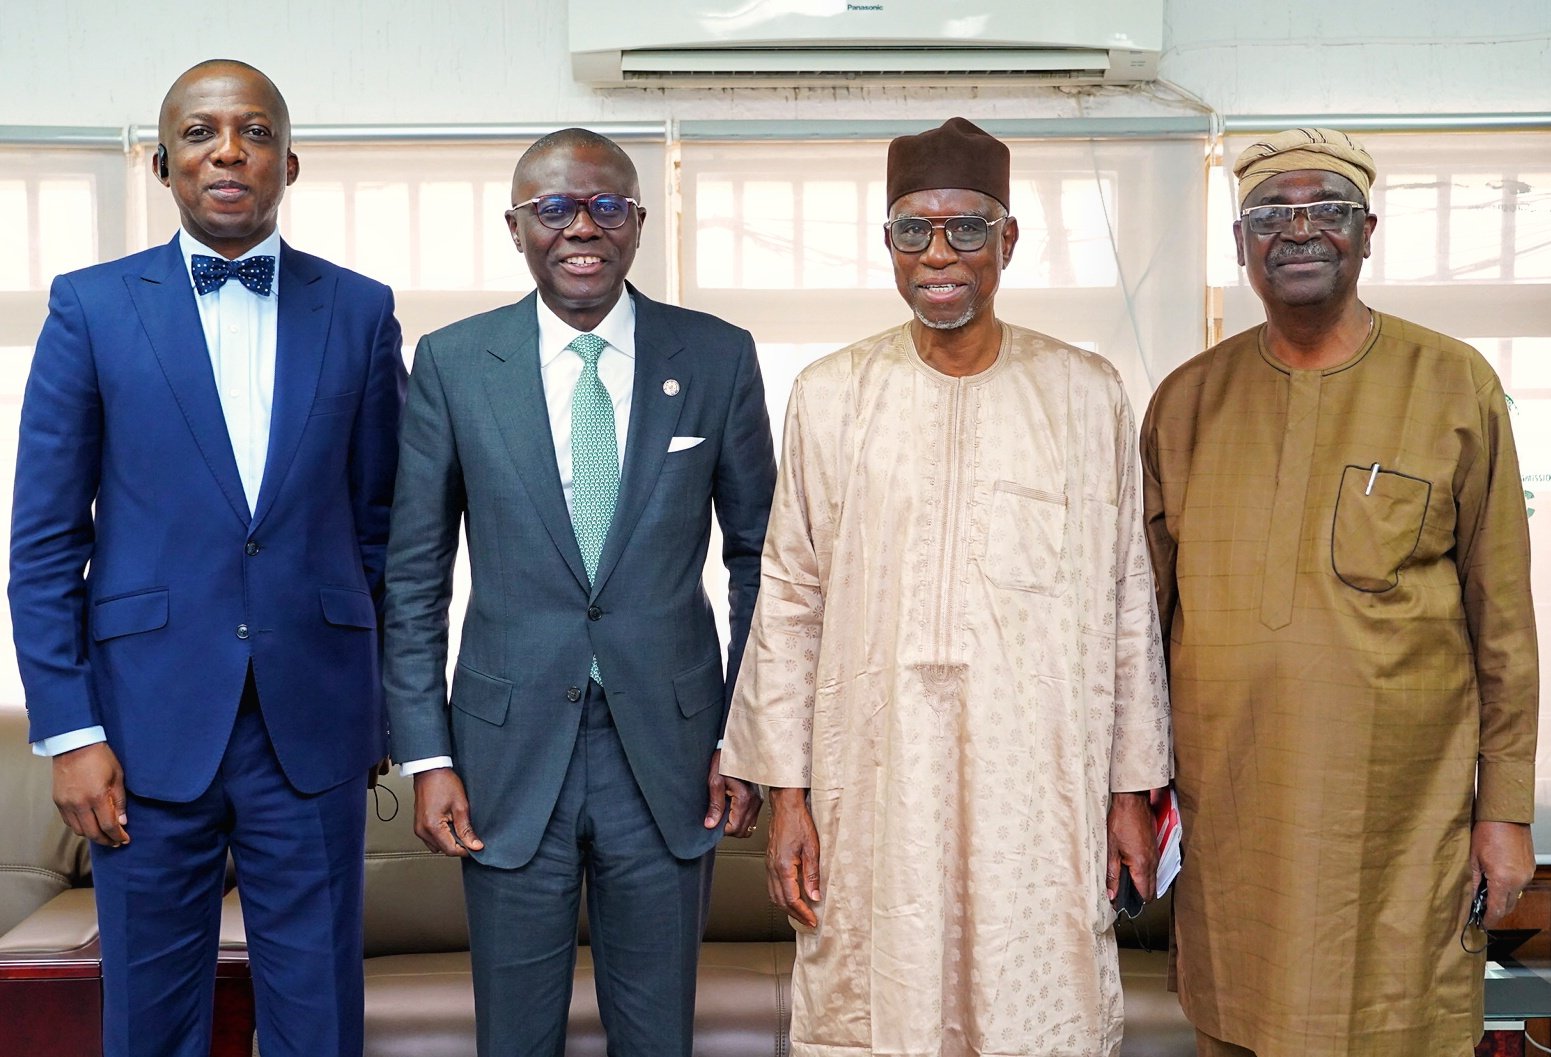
(608, 211)
(1322, 216)
(914, 234)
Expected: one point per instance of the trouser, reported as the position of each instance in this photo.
(300, 872)
(645, 914)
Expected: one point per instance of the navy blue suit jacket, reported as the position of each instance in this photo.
(141, 589)
(478, 450)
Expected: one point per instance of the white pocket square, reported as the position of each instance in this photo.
(683, 443)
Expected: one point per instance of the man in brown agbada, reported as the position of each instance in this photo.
(1340, 543)
(954, 677)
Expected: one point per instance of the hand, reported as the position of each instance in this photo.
(377, 770)
(442, 813)
(744, 796)
(1505, 853)
(792, 858)
(89, 792)
(1133, 843)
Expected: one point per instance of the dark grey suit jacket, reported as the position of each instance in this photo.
(477, 447)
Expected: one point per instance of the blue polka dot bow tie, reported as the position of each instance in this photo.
(211, 273)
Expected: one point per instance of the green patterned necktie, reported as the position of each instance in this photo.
(594, 459)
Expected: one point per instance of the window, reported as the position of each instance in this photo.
(427, 219)
(787, 240)
(62, 209)
(1124, 249)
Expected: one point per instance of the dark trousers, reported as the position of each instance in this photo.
(299, 870)
(645, 914)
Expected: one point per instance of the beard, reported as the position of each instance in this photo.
(946, 324)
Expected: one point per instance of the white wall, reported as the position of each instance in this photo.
(1368, 56)
(92, 62)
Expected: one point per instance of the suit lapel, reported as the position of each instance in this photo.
(164, 299)
(653, 415)
(515, 389)
(306, 297)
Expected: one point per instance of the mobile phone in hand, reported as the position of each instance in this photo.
(1128, 900)
(1478, 905)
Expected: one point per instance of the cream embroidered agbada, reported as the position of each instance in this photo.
(955, 650)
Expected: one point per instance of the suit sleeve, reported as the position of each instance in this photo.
(58, 467)
(429, 502)
(745, 479)
(374, 447)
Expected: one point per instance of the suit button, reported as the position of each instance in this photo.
(252, 548)
(574, 694)
(242, 631)
(594, 613)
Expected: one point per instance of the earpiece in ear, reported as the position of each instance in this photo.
(161, 161)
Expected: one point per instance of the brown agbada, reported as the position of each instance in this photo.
(1342, 559)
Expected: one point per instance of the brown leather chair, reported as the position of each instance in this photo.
(50, 961)
(419, 1001)
(50, 968)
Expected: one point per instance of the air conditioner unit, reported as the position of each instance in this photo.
(650, 43)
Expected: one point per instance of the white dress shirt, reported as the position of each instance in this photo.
(241, 329)
(560, 368)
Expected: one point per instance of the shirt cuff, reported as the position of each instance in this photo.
(719, 744)
(69, 741)
(430, 763)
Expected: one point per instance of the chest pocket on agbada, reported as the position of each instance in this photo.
(1377, 526)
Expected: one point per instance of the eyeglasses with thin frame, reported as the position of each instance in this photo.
(608, 211)
(964, 233)
(1322, 216)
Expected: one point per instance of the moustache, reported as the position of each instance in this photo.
(1296, 254)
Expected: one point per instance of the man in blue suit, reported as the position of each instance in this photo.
(207, 454)
(581, 437)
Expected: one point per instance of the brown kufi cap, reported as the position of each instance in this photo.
(1304, 148)
(958, 154)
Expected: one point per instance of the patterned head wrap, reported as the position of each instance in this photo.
(1304, 148)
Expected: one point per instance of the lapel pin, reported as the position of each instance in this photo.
(671, 387)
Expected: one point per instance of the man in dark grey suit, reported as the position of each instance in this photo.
(582, 436)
